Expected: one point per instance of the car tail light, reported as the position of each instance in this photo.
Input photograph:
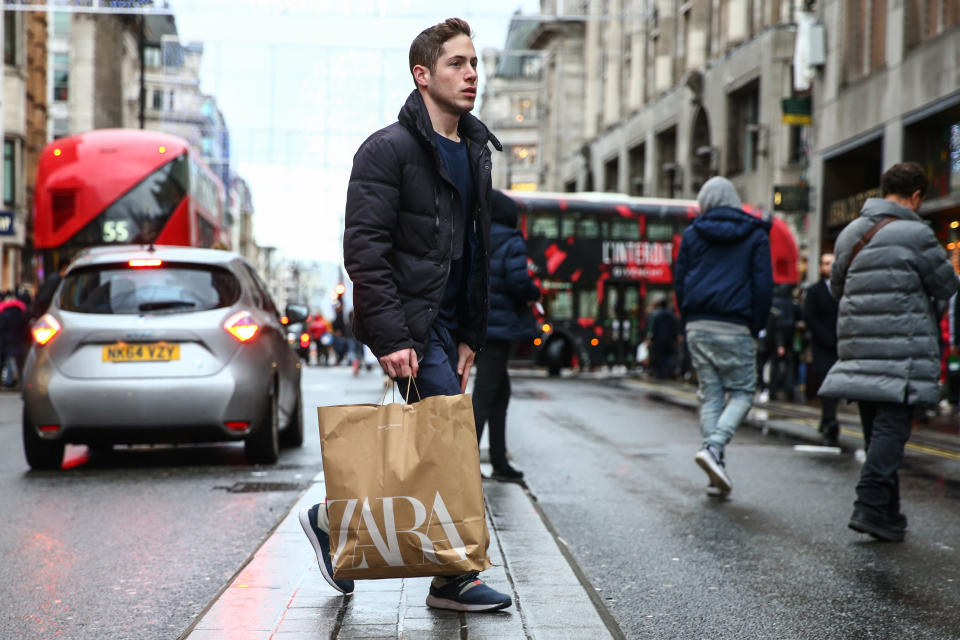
(139, 264)
(304, 340)
(45, 329)
(242, 326)
(237, 425)
(49, 428)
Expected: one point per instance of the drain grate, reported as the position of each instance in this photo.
(260, 487)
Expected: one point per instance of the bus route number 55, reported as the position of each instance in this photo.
(116, 231)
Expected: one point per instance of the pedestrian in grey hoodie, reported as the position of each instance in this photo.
(724, 285)
(892, 293)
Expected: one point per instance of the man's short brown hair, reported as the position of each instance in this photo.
(425, 48)
(904, 180)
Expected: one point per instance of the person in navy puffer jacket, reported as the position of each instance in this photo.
(510, 319)
(724, 285)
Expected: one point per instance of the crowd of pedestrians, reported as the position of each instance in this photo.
(868, 331)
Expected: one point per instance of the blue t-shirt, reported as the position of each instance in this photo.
(457, 162)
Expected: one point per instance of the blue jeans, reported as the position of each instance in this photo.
(726, 371)
(437, 375)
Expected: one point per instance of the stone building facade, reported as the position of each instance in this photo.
(889, 92)
(23, 110)
(674, 92)
(511, 109)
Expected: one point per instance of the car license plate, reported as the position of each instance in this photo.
(141, 352)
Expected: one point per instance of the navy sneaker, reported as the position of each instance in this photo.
(467, 593)
(316, 525)
(711, 461)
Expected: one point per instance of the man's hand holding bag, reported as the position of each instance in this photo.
(404, 491)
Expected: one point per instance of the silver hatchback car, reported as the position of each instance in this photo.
(160, 345)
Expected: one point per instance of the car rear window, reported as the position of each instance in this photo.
(172, 288)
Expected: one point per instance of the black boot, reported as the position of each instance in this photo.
(506, 473)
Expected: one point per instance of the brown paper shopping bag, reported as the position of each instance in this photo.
(404, 491)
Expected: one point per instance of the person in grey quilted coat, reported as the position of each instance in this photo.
(891, 297)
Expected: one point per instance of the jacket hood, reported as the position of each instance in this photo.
(881, 207)
(718, 192)
(415, 117)
(727, 225)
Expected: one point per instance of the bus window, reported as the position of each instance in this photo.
(659, 231)
(544, 225)
(588, 228)
(624, 230)
(611, 295)
(631, 308)
(588, 303)
(568, 224)
(560, 307)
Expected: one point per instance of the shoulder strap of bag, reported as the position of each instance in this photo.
(862, 242)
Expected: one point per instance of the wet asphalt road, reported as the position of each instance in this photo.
(614, 472)
(133, 544)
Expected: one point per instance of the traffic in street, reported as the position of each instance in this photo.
(136, 542)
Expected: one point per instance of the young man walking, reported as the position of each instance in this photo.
(417, 232)
(893, 281)
(724, 285)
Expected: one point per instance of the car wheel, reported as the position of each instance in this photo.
(40, 453)
(556, 356)
(292, 435)
(263, 447)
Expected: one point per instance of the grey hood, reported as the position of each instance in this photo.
(718, 192)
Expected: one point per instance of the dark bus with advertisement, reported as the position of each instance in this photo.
(601, 261)
(123, 186)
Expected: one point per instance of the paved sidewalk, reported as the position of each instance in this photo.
(937, 435)
(280, 593)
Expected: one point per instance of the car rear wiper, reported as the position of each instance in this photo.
(165, 304)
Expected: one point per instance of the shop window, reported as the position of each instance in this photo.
(865, 37)
(152, 57)
(668, 178)
(61, 77)
(10, 40)
(926, 19)
(61, 23)
(524, 155)
(955, 158)
(744, 130)
(611, 175)
(934, 142)
(637, 157)
(9, 171)
(798, 154)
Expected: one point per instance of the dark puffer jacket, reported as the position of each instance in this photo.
(723, 270)
(398, 234)
(510, 286)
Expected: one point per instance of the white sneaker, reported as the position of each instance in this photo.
(716, 492)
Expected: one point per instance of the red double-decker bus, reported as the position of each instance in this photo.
(601, 260)
(123, 186)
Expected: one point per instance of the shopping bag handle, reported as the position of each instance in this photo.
(391, 385)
